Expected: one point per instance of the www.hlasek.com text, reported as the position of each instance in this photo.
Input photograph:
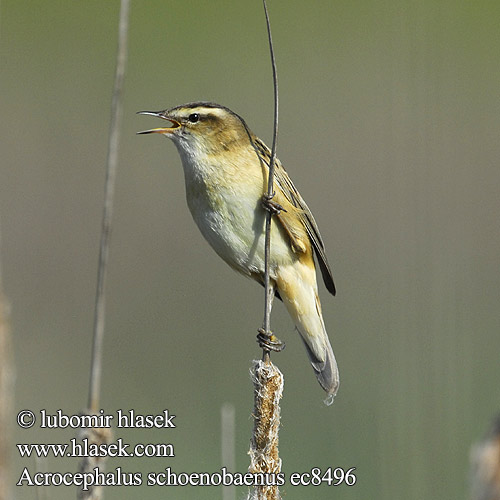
(86, 448)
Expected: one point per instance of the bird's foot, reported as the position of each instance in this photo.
(271, 206)
(269, 342)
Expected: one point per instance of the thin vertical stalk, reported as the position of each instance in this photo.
(7, 377)
(109, 188)
(268, 380)
(6, 395)
(228, 438)
(269, 290)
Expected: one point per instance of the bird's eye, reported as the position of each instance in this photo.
(193, 117)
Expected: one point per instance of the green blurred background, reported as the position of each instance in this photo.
(389, 126)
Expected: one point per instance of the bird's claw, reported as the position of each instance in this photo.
(269, 342)
(271, 206)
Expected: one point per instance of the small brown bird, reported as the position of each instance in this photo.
(226, 169)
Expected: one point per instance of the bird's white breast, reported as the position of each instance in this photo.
(225, 202)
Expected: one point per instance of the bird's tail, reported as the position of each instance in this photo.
(297, 287)
(326, 370)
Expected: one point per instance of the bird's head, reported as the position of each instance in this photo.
(202, 127)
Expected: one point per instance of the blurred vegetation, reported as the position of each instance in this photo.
(389, 126)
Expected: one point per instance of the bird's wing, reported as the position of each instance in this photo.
(285, 189)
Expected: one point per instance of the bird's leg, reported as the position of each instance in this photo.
(269, 342)
(266, 339)
(271, 206)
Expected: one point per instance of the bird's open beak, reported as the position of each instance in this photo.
(161, 130)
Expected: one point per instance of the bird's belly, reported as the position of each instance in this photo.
(233, 222)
